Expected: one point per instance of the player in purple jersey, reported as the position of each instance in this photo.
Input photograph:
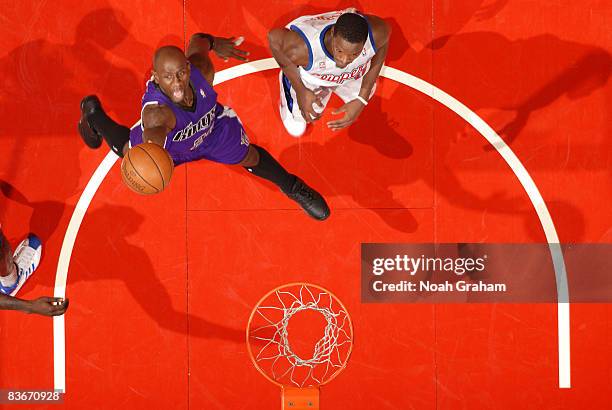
(180, 112)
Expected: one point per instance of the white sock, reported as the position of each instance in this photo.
(10, 279)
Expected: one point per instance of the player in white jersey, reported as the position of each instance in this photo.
(340, 52)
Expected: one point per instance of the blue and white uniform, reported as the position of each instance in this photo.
(321, 75)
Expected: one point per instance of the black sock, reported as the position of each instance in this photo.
(115, 135)
(268, 168)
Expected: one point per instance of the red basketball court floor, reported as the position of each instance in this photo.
(161, 287)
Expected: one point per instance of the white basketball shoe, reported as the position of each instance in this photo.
(26, 257)
(294, 126)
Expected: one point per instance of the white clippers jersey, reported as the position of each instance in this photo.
(322, 69)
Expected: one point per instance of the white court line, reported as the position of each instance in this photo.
(563, 319)
(563, 314)
(61, 275)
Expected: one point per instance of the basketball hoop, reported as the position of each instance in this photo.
(300, 337)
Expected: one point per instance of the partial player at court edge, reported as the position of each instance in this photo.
(180, 112)
(339, 52)
(15, 269)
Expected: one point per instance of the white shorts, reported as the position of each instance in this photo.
(289, 105)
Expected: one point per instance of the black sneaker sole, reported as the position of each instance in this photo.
(90, 137)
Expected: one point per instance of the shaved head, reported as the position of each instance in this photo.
(171, 71)
(167, 53)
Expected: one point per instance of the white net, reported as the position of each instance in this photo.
(302, 356)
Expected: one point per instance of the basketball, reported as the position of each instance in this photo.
(147, 168)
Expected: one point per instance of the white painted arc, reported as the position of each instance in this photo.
(61, 275)
(59, 347)
(563, 319)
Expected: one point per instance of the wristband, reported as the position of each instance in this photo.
(363, 100)
(210, 38)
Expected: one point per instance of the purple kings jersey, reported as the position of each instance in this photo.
(207, 130)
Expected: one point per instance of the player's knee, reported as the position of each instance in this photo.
(252, 157)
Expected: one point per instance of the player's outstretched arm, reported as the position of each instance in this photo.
(201, 44)
(290, 51)
(46, 306)
(157, 121)
(381, 32)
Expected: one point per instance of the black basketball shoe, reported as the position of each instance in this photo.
(310, 200)
(90, 136)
